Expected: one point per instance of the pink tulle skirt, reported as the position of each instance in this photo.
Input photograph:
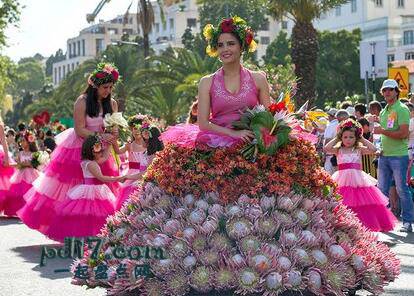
(61, 174)
(20, 183)
(189, 135)
(126, 191)
(362, 196)
(5, 175)
(82, 213)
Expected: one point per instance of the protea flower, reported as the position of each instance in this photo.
(160, 240)
(179, 248)
(319, 257)
(249, 244)
(288, 239)
(273, 284)
(261, 263)
(248, 282)
(171, 227)
(337, 278)
(314, 282)
(253, 212)
(153, 287)
(216, 211)
(244, 199)
(162, 267)
(358, 262)
(189, 233)
(337, 252)
(180, 213)
(266, 226)
(233, 211)
(224, 279)
(267, 202)
(308, 238)
(285, 203)
(220, 242)
(238, 228)
(176, 283)
(209, 226)
(212, 197)
(198, 243)
(272, 250)
(189, 200)
(283, 218)
(201, 279)
(197, 216)
(293, 280)
(164, 202)
(302, 217)
(202, 204)
(302, 257)
(209, 257)
(308, 204)
(284, 263)
(237, 261)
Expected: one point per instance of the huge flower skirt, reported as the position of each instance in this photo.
(228, 226)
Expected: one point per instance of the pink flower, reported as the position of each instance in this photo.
(227, 25)
(108, 69)
(268, 139)
(115, 75)
(100, 75)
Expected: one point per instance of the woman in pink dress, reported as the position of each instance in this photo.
(222, 97)
(64, 170)
(357, 188)
(6, 171)
(23, 177)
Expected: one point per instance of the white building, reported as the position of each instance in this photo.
(91, 41)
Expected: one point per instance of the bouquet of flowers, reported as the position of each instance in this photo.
(40, 159)
(117, 121)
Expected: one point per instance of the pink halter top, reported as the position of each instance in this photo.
(225, 106)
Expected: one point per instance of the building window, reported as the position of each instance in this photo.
(323, 16)
(400, 3)
(79, 48)
(113, 31)
(408, 37)
(353, 6)
(83, 47)
(265, 26)
(70, 50)
(73, 66)
(284, 25)
(60, 74)
(68, 68)
(130, 20)
(378, 3)
(191, 23)
(390, 58)
(338, 11)
(127, 31)
(55, 80)
(409, 55)
(99, 45)
(171, 24)
(264, 40)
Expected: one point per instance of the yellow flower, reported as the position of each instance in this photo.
(253, 46)
(208, 32)
(212, 52)
(238, 20)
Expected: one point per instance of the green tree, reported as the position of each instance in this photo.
(57, 57)
(278, 51)
(304, 39)
(188, 39)
(253, 11)
(7, 72)
(337, 71)
(30, 76)
(9, 14)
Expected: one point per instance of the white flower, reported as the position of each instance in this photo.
(259, 108)
(43, 157)
(281, 115)
(115, 119)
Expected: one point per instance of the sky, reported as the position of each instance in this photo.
(45, 25)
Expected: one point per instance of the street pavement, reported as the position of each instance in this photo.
(20, 273)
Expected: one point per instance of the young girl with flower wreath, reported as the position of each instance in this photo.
(64, 170)
(25, 175)
(87, 205)
(357, 188)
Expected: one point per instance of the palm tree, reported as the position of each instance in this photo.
(304, 39)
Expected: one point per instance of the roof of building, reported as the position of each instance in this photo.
(406, 63)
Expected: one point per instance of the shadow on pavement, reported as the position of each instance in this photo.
(4, 220)
(54, 268)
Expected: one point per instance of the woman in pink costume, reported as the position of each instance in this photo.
(357, 188)
(86, 206)
(24, 176)
(64, 170)
(6, 171)
(222, 96)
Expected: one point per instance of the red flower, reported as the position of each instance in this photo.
(277, 107)
(268, 139)
(115, 75)
(249, 37)
(227, 25)
(100, 75)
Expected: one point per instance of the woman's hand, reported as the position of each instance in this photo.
(107, 138)
(245, 135)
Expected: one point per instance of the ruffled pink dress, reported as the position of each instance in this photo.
(360, 193)
(20, 183)
(62, 173)
(84, 210)
(226, 108)
(5, 175)
(138, 162)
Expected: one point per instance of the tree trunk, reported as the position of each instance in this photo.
(145, 15)
(304, 55)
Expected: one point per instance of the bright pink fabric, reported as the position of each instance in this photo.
(92, 181)
(5, 174)
(225, 109)
(360, 193)
(61, 174)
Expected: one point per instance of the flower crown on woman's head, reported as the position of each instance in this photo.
(28, 136)
(235, 25)
(104, 73)
(350, 123)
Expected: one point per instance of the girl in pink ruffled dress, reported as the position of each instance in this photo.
(86, 206)
(139, 161)
(357, 188)
(64, 170)
(24, 176)
(6, 171)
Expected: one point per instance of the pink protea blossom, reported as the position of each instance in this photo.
(201, 279)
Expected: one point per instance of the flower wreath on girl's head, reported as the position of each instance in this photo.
(104, 73)
(350, 123)
(235, 25)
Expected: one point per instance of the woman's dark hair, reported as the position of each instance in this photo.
(361, 109)
(32, 145)
(154, 144)
(87, 147)
(346, 104)
(363, 121)
(191, 117)
(21, 126)
(92, 105)
(375, 105)
(40, 134)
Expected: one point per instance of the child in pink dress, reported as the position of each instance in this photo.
(6, 171)
(357, 188)
(24, 176)
(86, 206)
